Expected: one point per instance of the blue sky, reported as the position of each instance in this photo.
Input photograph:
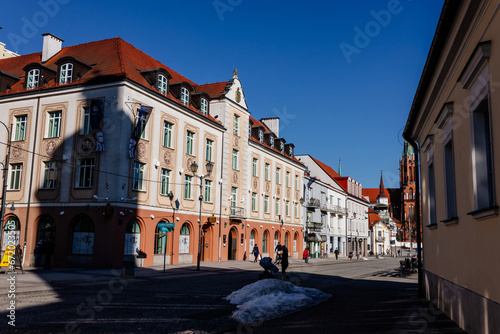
(341, 74)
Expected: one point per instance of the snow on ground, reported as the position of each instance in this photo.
(272, 298)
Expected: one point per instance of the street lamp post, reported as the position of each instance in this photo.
(194, 169)
(350, 228)
(4, 189)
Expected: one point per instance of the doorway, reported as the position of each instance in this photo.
(232, 244)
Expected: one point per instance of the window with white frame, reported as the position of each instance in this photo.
(184, 95)
(209, 150)
(15, 176)
(297, 182)
(204, 106)
(141, 124)
(254, 201)
(267, 168)
(234, 196)
(249, 130)
(255, 166)
(66, 73)
(19, 128)
(188, 185)
(54, 124)
(235, 159)
(296, 210)
(236, 125)
(84, 173)
(184, 239)
(33, 78)
(449, 164)
(266, 204)
(165, 181)
(86, 128)
(277, 207)
(288, 182)
(282, 147)
(261, 136)
(49, 177)
(431, 191)
(287, 208)
(138, 176)
(290, 151)
(168, 129)
(189, 142)
(132, 238)
(162, 84)
(207, 196)
(271, 141)
(278, 175)
(83, 236)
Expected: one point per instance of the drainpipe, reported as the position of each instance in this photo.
(417, 210)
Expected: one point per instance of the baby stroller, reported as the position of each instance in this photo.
(269, 268)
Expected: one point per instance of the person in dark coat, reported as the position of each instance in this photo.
(255, 253)
(279, 254)
(284, 262)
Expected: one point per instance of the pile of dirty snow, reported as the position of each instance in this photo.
(272, 298)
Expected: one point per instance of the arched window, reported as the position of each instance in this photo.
(162, 84)
(83, 236)
(287, 235)
(264, 242)
(11, 232)
(410, 193)
(46, 229)
(132, 237)
(66, 73)
(252, 240)
(184, 96)
(33, 77)
(295, 241)
(184, 239)
(411, 174)
(276, 238)
(160, 239)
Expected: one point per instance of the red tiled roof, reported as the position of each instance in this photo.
(373, 193)
(111, 59)
(214, 90)
(373, 218)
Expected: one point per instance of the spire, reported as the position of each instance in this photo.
(235, 74)
(382, 190)
(340, 168)
(407, 150)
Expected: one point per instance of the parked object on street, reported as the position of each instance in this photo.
(269, 268)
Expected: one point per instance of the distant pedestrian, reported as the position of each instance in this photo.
(255, 253)
(284, 262)
(306, 255)
(399, 252)
(48, 247)
(279, 252)
(336, 253)
(38, 253)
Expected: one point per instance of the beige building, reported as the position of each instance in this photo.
(4, 53)
(454, 120)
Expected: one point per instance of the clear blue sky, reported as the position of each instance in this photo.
(341, 74)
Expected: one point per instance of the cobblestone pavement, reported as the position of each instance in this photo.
(368, 296)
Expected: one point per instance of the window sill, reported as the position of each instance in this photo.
(484, 213)
(450, 221)
(432, 226)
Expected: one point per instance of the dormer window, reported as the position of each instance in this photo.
(162, 84)
(261, 136)
(184, 96)
(282, 147)
(290, 151)
(204, 107)
(271, 141)
(33, 79)
(66, 73)
(249, 130)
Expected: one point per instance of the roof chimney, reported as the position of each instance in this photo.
(51, 46)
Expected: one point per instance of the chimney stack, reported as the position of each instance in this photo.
(51, 46)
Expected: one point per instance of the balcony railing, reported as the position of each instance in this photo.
(314, 226)
(237, 212)
(380, 239)
(337, 209)
(313, 203)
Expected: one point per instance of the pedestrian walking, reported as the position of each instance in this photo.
(336, 253)
(255, 253)
(306, 255)
(279, 252)
(284, 263)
